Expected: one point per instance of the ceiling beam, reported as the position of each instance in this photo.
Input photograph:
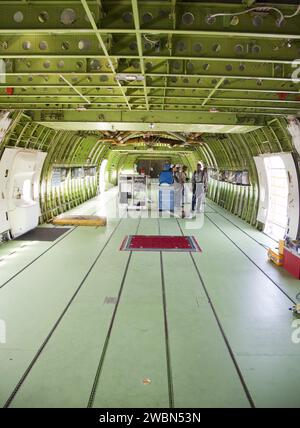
(75, 89)
(213, 91)
(103, 47)
(136, 19)
(100, 31)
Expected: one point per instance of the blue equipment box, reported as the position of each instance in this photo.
(166, 198)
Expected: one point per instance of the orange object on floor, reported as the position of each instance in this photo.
(281, 246)
(275, 257)
(80, 220)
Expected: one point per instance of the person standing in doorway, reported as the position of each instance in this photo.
(199, 184)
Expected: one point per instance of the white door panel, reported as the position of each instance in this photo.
(279, 194)
(20, 171)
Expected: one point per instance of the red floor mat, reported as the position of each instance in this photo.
(159, 243)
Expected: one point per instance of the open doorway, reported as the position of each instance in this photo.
(278, 191)
(151, 167)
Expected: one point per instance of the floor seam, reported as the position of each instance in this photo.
(243, 231)
(108, 335)
(252, 261)
(38, 257)
(238, 370)
(42, 347)
(166, 328)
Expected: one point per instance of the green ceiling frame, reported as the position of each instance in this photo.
(67, 55)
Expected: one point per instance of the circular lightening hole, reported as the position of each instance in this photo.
(229, 67)
(95, 64)
(234, 20)
(127, 17)
(3, 44)
(216, 47)
(181, 46)
(68, 16)
(84, 45)
(43, 45)
(239, 49)
(43, 17)
(65, 45)
(60, 64)
(26, 45)
(47, 64)
(147, 17)
(176, 65)
(256, 49)
(188, 18)
(197, 47)
(190, 67)
(18, 17)
(257, 21)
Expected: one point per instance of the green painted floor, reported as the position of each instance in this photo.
(88, 325)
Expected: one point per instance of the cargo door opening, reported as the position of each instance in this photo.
(278, 191)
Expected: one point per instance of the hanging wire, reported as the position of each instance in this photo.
(259, 9)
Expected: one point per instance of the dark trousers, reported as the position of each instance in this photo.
(195, 196)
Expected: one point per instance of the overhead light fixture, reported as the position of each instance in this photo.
(80, 108)
(151, 125)
(129, 77)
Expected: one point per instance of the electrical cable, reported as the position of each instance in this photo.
(153, 42)
(260, 9)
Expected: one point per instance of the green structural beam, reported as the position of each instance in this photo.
(146, 56)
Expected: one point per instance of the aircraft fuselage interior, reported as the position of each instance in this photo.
(149, 204)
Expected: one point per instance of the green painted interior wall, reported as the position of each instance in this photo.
(69, 148)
